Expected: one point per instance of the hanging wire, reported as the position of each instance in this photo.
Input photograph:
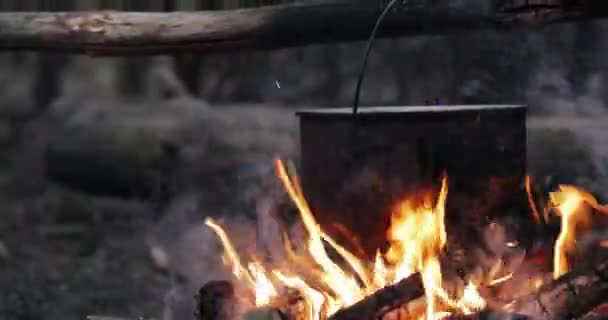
(368, 50)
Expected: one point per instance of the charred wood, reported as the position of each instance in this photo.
(569, 297)
(266, 314)
(216, 300)
(494, 315)
(573, 295)
(272, 27)
(384, 300)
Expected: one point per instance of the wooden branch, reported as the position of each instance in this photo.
(384, 300)
(273, 27)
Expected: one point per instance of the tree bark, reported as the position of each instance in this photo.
(123, 33)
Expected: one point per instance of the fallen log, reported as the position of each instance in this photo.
(123, 33)
(384, 300)
(152, 151)
(108, 165)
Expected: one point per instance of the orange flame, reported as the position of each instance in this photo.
(569, 202)
(417, 236)
(230, 256)
(531, 202)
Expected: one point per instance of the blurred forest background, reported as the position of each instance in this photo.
(482, 67)
(73, 129)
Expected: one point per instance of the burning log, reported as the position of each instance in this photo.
(384, 300)
(263, 314)
(494, 315)
(273, 27)
(215, 298)
(571, 296)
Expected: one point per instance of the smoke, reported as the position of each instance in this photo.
(194, 250)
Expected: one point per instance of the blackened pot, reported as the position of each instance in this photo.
(355, 168)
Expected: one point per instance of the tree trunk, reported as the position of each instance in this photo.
(133, 70)
(49, 66)
(188, 65)
(586, 43)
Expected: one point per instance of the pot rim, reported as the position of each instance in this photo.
(378, 110)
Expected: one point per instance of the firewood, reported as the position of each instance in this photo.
(265, 313)
(271, 27)
(598, 313)
(384, 300)
(216, 300)
(571, 296)
(490, 315)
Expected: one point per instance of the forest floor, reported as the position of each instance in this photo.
(62, 259)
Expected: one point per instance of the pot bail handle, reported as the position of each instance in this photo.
(370, 43)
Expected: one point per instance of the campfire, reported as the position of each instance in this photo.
(323, 280)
